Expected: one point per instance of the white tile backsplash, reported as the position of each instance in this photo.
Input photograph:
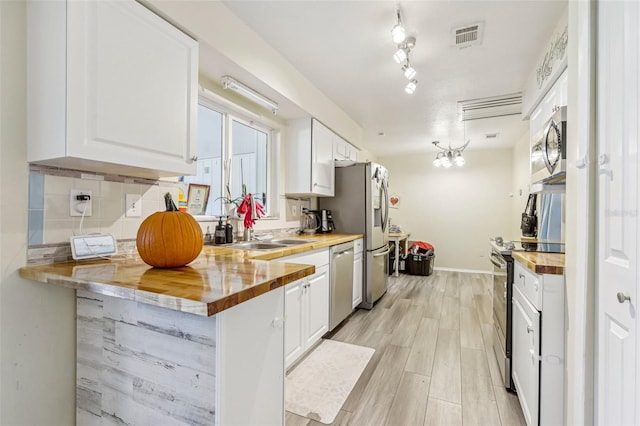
(56, 207)
(108, 206)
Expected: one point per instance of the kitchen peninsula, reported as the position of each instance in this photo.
(185, 345)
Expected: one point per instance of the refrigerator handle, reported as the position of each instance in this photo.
(384, 253)
(385, 193)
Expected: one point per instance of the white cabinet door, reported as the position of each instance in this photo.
(617, 213)
(250, 365)
(309, 158)
(131, 90)
(293, 327)
(526, 349)
(555, 97)
(317, 305)
(322, 165)
(357, 279)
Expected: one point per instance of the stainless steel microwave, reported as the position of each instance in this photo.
(549, 151)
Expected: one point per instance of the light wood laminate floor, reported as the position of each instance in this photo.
(434, 364)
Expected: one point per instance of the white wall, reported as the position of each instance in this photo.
(520, 184)
(37, 321)
(214, 24)
(455, 209)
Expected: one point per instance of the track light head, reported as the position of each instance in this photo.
(411, 86)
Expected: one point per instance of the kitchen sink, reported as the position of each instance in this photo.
(258, 245)
(292, 242)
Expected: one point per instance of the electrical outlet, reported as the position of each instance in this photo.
(78, 207)
(294, 210)
(133, 205)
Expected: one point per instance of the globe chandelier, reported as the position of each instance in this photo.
(450, 156)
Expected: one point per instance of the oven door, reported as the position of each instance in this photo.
(500, 277)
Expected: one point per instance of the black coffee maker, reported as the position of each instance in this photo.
(326, 221)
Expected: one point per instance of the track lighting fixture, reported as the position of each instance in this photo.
(404, 46)
(411, 86)
(409, 71)
(400, 56)
(398, 32)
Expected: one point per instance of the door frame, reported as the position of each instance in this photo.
(580, 235)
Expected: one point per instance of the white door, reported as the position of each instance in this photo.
(293, 339)
(617, 210)
(317, 299)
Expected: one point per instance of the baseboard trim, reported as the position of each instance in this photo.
(471, 271)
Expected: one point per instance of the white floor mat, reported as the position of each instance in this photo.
(318, 386)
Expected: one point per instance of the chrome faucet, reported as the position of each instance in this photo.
(248, 234)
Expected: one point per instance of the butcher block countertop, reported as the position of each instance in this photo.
(541, 263)
(220, 278)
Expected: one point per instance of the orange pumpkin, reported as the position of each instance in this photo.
(169, 239)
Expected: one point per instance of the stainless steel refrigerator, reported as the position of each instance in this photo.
(361, 206)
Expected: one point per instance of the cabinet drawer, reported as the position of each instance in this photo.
(529, 284)
(316, 258)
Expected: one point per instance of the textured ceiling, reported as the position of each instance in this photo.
(345, 49)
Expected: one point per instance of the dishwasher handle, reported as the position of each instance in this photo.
(341, 253)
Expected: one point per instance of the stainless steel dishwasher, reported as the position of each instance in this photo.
(341, 293)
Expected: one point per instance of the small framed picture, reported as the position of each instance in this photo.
(394, 201)
(197, 199)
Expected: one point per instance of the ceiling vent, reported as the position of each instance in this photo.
(468, 35)
(495, 106)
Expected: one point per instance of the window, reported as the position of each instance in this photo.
(233, 153)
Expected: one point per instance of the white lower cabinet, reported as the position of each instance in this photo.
(538, 345)
(526, 365)
(358, 264)
(250, 366)
(306, 306)
(316, 304)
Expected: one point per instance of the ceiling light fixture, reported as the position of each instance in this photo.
(404, 45)
(400, 56)
(409, 71)
(450, 156)
(229, 82)
(403, 50)
(411, 86)
(398, 32)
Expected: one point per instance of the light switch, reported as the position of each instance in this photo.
(133, 205)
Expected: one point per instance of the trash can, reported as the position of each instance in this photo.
(420, 263)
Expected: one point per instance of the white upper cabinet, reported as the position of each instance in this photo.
(112, 88)
(310, 164)
(343, 150)
(556, 97)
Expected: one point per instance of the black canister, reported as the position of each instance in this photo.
(229, 231)
(220, 236)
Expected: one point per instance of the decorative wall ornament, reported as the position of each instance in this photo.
(557, 49)
(394, 201)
